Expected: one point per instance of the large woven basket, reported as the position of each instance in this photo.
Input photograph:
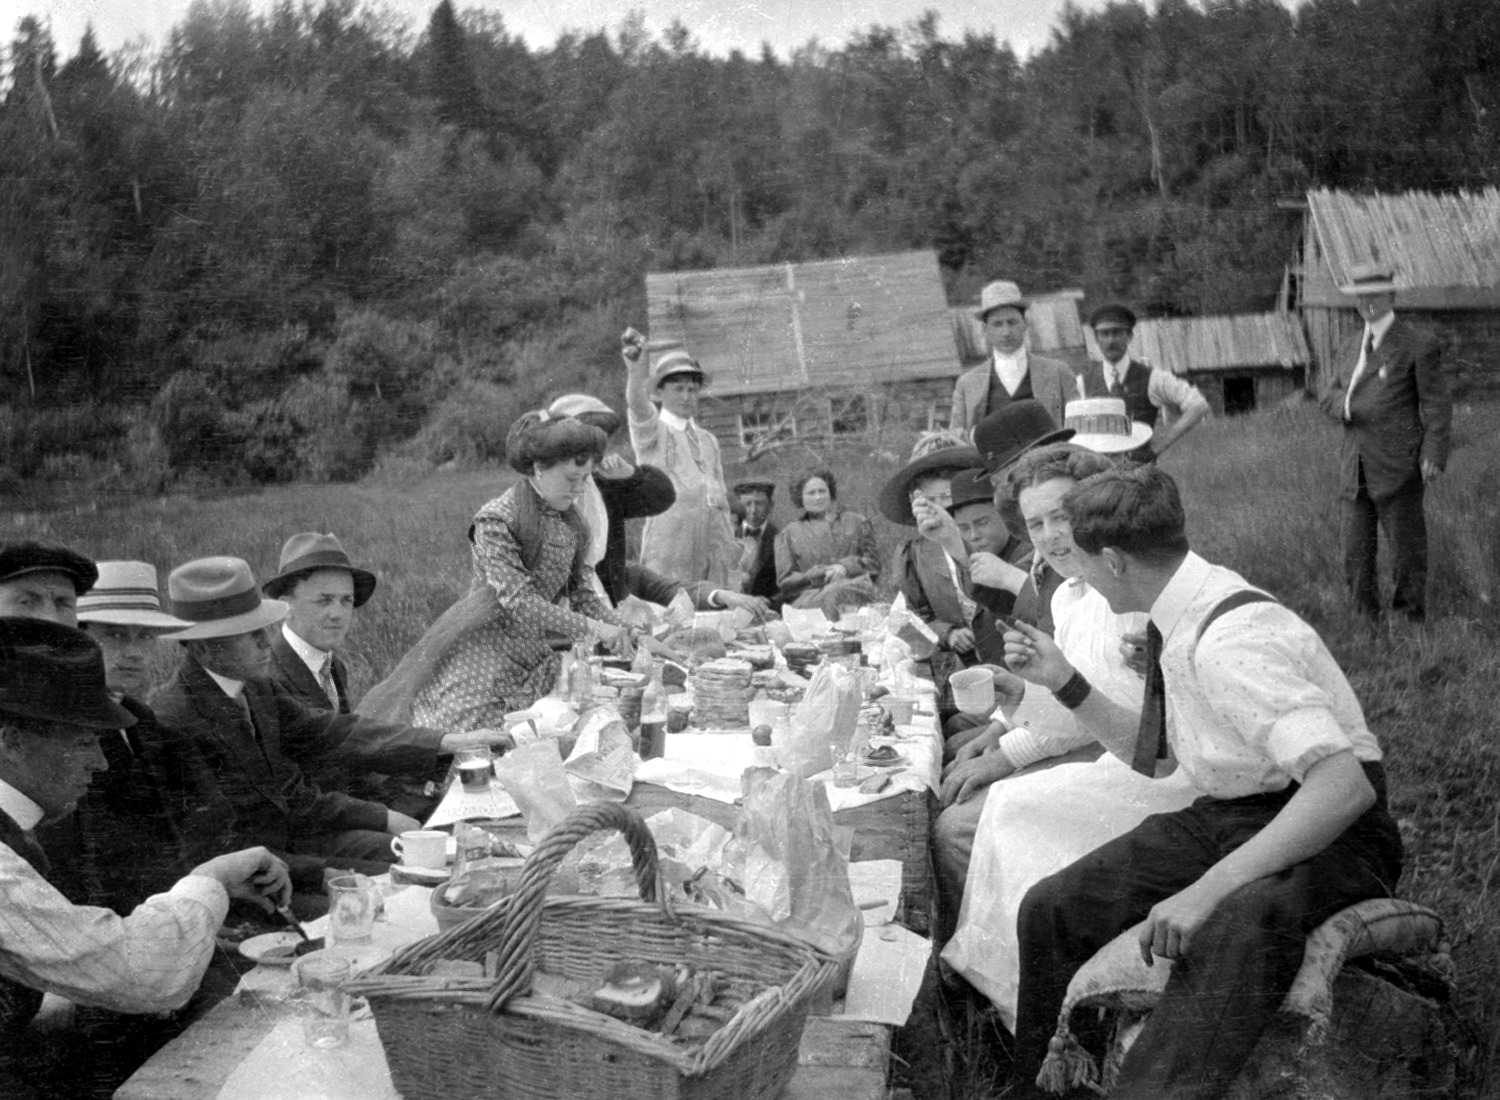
(459, 1038)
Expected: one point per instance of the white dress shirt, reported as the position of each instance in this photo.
(1378, 329)
(1011, 369)
(150, 961)
(1260, 699)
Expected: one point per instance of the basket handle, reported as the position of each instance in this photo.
(524, 912)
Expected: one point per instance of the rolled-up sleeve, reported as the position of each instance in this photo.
(150, 961)
(1176, 395)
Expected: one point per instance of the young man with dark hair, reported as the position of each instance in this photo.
(1291, 825)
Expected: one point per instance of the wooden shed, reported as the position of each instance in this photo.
(1240, 362)
(813, 350)
(1444, 250)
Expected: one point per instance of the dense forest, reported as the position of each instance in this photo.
(291, 244)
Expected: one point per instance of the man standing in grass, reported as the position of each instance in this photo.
(1386, 388)
(1290, 828)
(41, 580)
(1170, 405)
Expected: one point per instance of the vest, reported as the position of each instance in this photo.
(997, 397)
(1137, 389)
(19, 1003)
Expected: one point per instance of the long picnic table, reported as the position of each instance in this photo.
(840, 1059)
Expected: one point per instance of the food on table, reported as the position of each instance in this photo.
(633, 992)
(801, 656)
(721, 694)
(881, 755)
(876, 783)
(761, 735)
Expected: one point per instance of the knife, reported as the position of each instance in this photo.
(285, 913)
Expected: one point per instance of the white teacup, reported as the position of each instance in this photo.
(421, 848)
(973, 690)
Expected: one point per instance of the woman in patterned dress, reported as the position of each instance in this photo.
(827, 557)
(530, 549)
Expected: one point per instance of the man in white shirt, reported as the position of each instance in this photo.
(694, 539)
(1169, 404)
(53, 706)
(1011, 373)
(1291, 826)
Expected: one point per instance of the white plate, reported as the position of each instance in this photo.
(360, 957)
(422, 876)
(263, 949)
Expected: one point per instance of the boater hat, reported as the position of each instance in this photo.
(998, 294)
(54, 673)
(1018, 426)
(1104, 427)
(31, 556)
(309, 552)
(126, 595)
(1370, 279)
(219, 596)
(942, 450)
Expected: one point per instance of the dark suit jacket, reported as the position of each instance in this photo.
(647, 584)
(151, 818)
(762, 579)
(1396, 419)
(260, 768)
(291, 672)
(932, 597)
(1052, 383)
(647, 492)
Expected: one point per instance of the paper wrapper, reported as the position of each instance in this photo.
(533, 775)
(603, 754)
(829, 711)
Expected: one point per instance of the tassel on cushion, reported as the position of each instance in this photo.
(1067, 1065)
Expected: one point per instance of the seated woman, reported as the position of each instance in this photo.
(498, 650)
(1037, 822)
(826, 558)
(617, 492)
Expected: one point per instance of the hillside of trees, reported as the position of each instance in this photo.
(290, 244)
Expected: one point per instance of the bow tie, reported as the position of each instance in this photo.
(753, 532)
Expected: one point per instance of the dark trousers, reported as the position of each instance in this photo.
(1405, 527)
(1223, 993)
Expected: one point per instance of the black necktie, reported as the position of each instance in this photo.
(1151, 742)
(1116, 383)
(753, 532)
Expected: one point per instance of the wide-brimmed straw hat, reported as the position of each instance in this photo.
(1370, 279)
(309, 552)
(33, 556)
(126, 595)
(1103, 426)
(941, 450)
(999, 294)
(54, 673)
(220, 598)
(1012, 430)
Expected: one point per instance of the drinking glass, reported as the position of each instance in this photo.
(352, 900)
(321, 1002)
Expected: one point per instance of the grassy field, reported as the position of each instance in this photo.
(1261, 496)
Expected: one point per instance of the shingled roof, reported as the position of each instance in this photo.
(1186, 345)
(844, 322)
(1431, 241)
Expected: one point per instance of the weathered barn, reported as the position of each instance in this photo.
(1240, 363)
(1445, 251)
(813, 350)
(834, 348)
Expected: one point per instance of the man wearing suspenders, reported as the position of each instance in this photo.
(1290, 826)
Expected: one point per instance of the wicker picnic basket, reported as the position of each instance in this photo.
(450, 1038)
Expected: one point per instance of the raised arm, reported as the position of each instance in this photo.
(637, 368)
(1183, 403)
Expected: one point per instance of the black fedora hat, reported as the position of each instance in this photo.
(32, 556)
(307, 553)
(54, 673)
(1018, 426)
(940, 450)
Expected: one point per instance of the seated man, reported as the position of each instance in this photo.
(757, 538)
(157, 811)
(1289, 828)
(258, 739)
(323, 590)
(53, 705)
(41, 580)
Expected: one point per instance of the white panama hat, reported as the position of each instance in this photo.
(1102, 425)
